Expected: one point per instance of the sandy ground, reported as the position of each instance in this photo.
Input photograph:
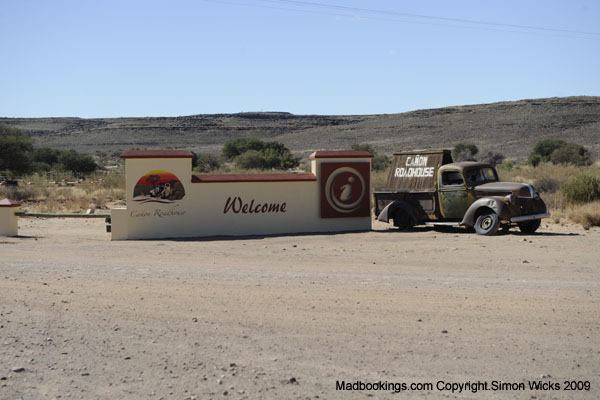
(286, 317)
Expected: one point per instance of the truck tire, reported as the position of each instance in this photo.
(529, 226)
(402, 220)
(487, 224)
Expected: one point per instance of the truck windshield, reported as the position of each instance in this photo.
(478, 176)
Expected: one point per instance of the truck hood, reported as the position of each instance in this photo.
(500, 188)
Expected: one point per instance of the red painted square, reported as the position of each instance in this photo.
(345, 189)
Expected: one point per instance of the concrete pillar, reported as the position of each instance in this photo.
(9, 223)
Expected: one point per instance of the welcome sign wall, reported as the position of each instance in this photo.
(165, 200)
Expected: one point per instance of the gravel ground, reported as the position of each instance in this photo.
(286, 317)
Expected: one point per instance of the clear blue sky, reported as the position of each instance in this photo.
(168, 58)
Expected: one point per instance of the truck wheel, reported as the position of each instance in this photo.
(487, 224)
(530, 226)
(402, 220)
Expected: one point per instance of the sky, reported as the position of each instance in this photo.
(123, 58)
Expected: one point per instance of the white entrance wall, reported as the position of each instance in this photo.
(230, 205)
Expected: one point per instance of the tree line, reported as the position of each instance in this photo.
(556, 151)
(19, 155)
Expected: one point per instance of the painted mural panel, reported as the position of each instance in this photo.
(158, 186)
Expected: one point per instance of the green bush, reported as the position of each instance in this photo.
(39, 166)
(571, 153)
(18, 155)
(15, 150)
(559, 152)
(364, 147)
(252, 153)
(380, 162)
(534, 159)
(235, 147)
(279, 159)
(582, 188)
(493, 158)
(76, 162)
(46, 155)
(544, 149)
(251, 159)
(207, 162)
(464, 152)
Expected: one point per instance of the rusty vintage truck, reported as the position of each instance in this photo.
(427, 187)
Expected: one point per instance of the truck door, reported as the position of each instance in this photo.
(454, 196)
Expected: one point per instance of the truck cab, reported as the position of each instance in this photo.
(456, 186)
(426, 187)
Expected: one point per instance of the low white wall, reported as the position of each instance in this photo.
(225, 208)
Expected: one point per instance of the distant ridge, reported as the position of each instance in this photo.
(511, 128)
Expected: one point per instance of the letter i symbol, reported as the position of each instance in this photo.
(347, 190)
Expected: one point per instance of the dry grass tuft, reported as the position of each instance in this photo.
(43, 194)
(551, 181)
(587, 215)
(379, 179)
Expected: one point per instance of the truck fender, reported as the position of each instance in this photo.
(387, 213)
(495, 203)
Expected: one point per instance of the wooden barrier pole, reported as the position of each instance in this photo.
(60, 215)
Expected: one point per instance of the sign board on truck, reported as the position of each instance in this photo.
(416, 171)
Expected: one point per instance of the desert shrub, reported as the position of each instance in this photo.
(529, 174)
(18, 155)
(492, 158)
(559, 152)
(22, 193)
(587, 215)
(235, 147)
(582, 188)
(534, 159)
(464, 152)
(544, 149)
(40, 166)
(252, 153)
(282, 160)
(305, 164)
(76, 162)
(207, 162)
(251, 159)
(104, 195)
(113, 179)
(15, 150)
(380, 162)
(46, 155)
(364, 147)
(547, 184)
(571, 153)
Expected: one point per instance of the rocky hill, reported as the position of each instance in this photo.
(511, 128)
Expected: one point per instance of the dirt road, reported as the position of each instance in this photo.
(286, 317)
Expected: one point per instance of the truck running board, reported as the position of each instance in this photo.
(453, 224)
(530, 217)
